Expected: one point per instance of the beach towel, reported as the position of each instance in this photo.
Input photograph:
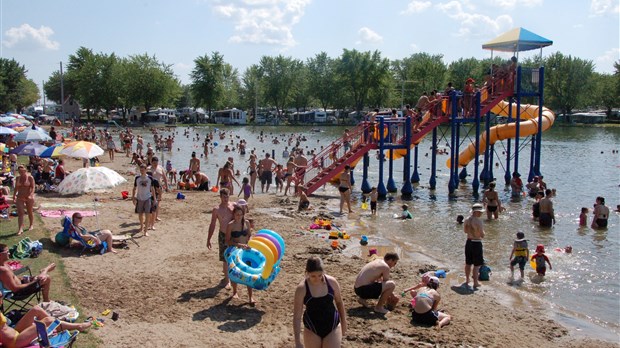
(60, 212)
(68, 205)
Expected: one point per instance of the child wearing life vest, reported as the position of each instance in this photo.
(519, 254)
(540, 259)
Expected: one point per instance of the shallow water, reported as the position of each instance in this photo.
(583, 285)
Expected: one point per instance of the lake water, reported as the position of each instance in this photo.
(582, 290)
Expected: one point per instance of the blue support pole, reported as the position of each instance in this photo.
(541, 100)
(507, 174)
(351, 175)
(491, 175)
(453, 125)
(486, 176)
(518, 117)
(407, 189)
(381, 190)
(475, 184)
(415, 177)
(365, 183)
(432, 182)
(532, 172)
(463, 174)
(456, 150)
(391, 185)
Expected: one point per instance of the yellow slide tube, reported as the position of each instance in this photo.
(527, 126)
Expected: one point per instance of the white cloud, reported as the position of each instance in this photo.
(29, 37)
(606, 61)
(368, 36)
(263, 21)
(473, 23)
(416, 6)
(509, 4)
(413, 46)
(602, 7)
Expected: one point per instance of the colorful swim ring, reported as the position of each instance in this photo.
(258, 266)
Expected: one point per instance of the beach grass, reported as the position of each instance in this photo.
(52, 253)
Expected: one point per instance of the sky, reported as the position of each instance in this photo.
(42, 33)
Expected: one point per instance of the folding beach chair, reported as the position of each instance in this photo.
(19, 301)
(48, 339)
(76, 235)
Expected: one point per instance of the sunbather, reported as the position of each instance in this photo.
(10, 281)
(96, 237)
(25, 331)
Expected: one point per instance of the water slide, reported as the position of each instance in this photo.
(396, 154)
(527, 126)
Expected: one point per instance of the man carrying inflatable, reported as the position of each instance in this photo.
(373, 282)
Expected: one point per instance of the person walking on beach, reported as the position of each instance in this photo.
(373, 282)
(221, 214)
(474, 257)
(266, 166)
(159, 174)
(23, 196)
(111, 147)
(547, 217)
(141, 196)
(238, 233)
(345, 188)
(325, 323)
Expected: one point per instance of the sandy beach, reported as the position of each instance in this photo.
(167, 290)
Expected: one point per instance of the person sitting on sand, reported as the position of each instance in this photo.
(304, 202)
(238, 233)
(25, 332)
(97, 237)
(424, 309)
(9, 280)
(325, 323)
(373, 282)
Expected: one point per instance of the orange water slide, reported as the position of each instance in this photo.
(528, 125)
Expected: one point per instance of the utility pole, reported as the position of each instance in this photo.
(43, 89)
(62, 93)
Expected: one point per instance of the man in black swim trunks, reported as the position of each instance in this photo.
(474, 257)
(373, 282)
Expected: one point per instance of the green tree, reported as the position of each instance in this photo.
(301, 93)
(427, 72)
(12, 75)
(230, 86)
(604, 93)
(150, 82)
(567, 82)
(28, 93)
(460, 70)
(322, 79)
(185, 100)
(362, 72)
(250, 90)
(208, 81)
(277, 76)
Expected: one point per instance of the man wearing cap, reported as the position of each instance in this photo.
(473, 247)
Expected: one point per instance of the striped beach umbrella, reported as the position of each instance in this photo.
(82, 149)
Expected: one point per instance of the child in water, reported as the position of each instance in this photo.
(405, 214)
(583, 217)
(246, 188)
(541, 258)
(519, 254)
(374, 195)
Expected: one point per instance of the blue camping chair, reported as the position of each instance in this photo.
(60, 339)
(75, 234)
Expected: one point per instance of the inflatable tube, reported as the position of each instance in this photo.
(528, 126)
(270, 259)
(247, 261)
(269, 244)
(274, 242)
(276, 236)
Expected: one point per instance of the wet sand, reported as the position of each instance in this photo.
(168, 292)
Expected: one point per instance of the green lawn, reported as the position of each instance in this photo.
(61, 285)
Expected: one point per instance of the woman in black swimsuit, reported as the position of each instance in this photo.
(238, 234)
(324, 325)
(345, 189)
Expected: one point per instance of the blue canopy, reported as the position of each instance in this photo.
(517, 40)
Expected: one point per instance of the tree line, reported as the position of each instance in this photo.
(355, 80)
